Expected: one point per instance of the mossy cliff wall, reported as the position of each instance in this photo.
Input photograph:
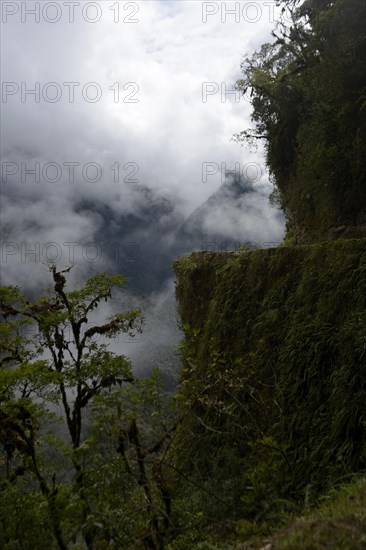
(274, 363)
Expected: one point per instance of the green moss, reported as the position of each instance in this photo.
(337, 523)
(275, 350)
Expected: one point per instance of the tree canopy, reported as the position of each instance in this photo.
(80, 437)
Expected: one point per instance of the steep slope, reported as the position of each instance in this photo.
(274, 364)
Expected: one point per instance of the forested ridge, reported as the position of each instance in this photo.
(263, 442)
(308, 91)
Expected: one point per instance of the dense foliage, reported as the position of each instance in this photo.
(275, 355)
(308, 91)
(81, 439)
(269, 414)
(270, 405)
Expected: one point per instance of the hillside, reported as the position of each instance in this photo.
(274, 355)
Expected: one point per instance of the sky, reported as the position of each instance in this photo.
(99, 98)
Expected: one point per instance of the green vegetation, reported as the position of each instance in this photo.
(81, 439)
(268, 418)
(308, 91)
(338, 522)
(269, 422)
(274, 369)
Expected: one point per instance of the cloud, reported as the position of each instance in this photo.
(82, 179)
(158, 135)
